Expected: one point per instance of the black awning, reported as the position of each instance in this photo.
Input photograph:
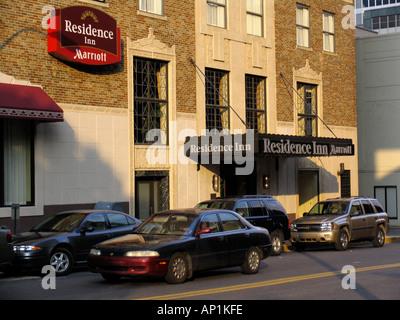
(208, 149)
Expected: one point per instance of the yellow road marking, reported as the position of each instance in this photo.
(263, 283)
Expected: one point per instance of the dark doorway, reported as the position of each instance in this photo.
(151, 193)
(236, 185)
(308, 190)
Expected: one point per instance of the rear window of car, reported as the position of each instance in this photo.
(276, 208)
(117, 220)
(257, 208)
(368, 208)
(377, 205)
(218, 204)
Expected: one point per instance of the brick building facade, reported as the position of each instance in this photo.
(93, 154)
(337, 67)
(24, 51)
(195, 48)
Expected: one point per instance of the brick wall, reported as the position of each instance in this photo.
(338, 69)
(23, 52)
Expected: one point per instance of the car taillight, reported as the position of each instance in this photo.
(8, 236)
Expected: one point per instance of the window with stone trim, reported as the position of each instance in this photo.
(152, 6)
(307, 110)
(255, 17)
(217, 99)
(256, 103)
(216, 13)
(150, 81)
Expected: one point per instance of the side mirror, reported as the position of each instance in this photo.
(305, 213)
(203, 231)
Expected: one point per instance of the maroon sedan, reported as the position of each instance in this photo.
(174, 244)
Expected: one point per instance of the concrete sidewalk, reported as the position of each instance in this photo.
(393, 235)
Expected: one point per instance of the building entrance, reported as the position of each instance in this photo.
(308, 190)
(151, 193)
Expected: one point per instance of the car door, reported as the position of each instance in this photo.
(358, 221)
(371, 217)
(259, 215)
(94, 229)
(237, 236)
(211, 247)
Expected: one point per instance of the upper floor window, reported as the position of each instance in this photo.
(255, 103)
(216, 13)
(217, 97)
(307, 112)
(150, 79)
(303, 26)
(152, 6)
(386, 22)
(255, 17)
(329, 31)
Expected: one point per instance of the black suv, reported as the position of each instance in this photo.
(260, 211)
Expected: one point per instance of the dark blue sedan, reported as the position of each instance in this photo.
(66, 238)
(173, 244)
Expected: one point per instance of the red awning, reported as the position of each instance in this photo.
(27, 102)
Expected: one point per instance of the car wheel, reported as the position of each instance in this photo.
(277, 244)
(379, 239)
(177, 269)
(342, 242)
(252, 261)
(61, 260)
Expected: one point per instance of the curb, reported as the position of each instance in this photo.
(392, 239)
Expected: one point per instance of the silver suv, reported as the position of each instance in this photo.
(339, 221)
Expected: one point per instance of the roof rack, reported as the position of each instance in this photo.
(256, 196)
(243, 196)
(352, 197)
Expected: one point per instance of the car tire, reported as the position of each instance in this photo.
(61, 260)
(380, 236)
(177, 269)
(342, 242)
(277, 243)
(252, 261)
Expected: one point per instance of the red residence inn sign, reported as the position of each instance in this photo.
(84, 35)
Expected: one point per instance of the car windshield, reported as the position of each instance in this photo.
(218, 204)
(60, 223)
(170, 224)
(331, 207)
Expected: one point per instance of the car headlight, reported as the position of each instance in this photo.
(142, 254)
(327, 226)
(26, 248)
(95, 252)
(293, 227)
